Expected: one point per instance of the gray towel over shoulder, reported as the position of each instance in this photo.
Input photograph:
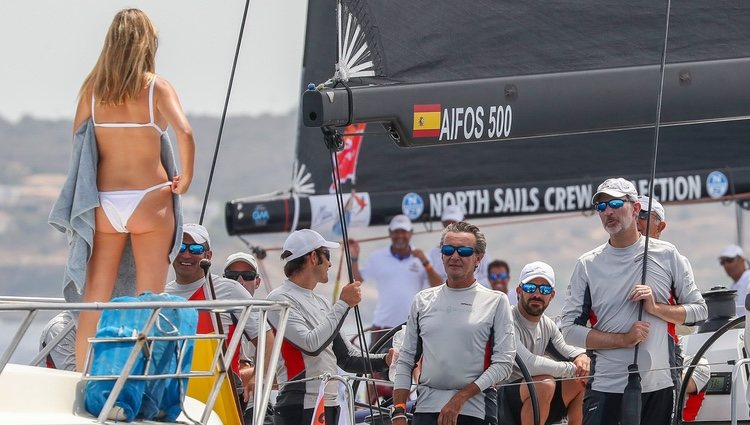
(73, 214)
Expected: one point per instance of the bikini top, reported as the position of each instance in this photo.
(151, 122)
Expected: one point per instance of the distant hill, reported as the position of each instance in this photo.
(258, 150)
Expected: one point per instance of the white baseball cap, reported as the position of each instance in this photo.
(197, 232)
(452, 213)
(538, 269)
(655, 205)
(731, 251)
(400, 222)
(304, 241)
(244, 257)
(617, 187)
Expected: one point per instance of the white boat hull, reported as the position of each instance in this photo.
(40, 396)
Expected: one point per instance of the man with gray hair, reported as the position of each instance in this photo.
(463, 332)
(453, 214)
(601, 310)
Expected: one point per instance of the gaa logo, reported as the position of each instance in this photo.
(412, 205)
(260, 215)
(717, 184)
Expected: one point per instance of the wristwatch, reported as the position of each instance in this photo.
(399, 411)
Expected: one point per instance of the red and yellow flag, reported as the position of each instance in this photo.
(426, 120)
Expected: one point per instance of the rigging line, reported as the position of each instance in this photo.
(659, 98)
(345, 237)
(224, 111)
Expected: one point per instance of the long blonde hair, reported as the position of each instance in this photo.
(127, 62)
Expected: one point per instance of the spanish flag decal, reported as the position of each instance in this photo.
(426, 120)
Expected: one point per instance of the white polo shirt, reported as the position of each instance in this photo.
(741, 287)
(398, 281)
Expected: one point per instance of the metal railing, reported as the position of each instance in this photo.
(220, 364)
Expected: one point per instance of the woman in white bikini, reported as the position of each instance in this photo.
(130, 108)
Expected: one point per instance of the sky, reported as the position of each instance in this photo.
(49, 46)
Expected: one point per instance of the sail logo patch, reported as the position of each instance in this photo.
(412, 205)
(717, 184)
(426, 120)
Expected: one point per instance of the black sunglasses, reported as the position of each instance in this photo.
(193, 248)
(726, 260)
(498, 276)
(236, 275)
(463, 251)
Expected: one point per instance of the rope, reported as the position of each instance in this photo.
(347, 256)
(224, 111)
(507, 384)
(653, 165)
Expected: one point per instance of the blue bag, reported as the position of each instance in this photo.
(155, 399)
(110, 358)
(163, 398)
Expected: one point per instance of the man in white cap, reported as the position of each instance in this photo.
(243, 268)
(702, 371)
(732, 258)
(657, 215)
(463, 333)
(453, 214)
(601, 310)
(313, 344)
(190, 283)
(399, 271)
(540, 345)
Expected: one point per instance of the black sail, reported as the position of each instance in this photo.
(567, 93)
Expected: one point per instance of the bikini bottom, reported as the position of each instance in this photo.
(119, 205)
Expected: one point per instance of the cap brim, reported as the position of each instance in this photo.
(534, 276)
(332, 245)
(400, 227)
(610, 192)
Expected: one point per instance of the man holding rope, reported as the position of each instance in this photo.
(312, 343)
(601, 311)
(464, 334)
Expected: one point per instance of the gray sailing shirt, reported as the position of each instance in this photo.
(598, 294)
(542, 348)
(313, 346)
(464, 336)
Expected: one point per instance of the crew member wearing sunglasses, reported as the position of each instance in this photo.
(313, 342)
(190, 283)
(243, 268)
(498, 273)
(536, 336)
(601, 310)
(453, 326)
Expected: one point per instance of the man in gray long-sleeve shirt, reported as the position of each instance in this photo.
(605, 291)
(312, 343)
(544, 352)
(464, 334)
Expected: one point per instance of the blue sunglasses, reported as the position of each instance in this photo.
(498, 276)
(193, 248)
(612, 203)
(463, 251)
(530, 288)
